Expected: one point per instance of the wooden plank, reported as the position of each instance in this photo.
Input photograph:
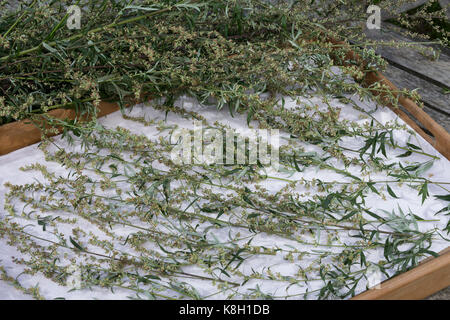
(411, 59)
(418, 283)
(436, 103)
(432, 95)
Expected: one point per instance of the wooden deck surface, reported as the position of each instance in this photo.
(416, 68)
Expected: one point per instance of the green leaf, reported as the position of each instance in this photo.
(250, 114)
(146, 279)
(432, 253)
(49, 47)
(374, 145)
(374, 215)
(150, 276)
(383, 147)
(142, 8)
(166, 189)
(188, 5)
(387, 249)
(362, 257)
(424, 192)
(391, 138)
(417, 217)
(326, 202)
(296, 164)
(424, 167)
(412, 167)
(404, 155)
(209, 209)
(443, 197)
(76, 245)
(371, 186)
(413, 146)
(247, 199)
(363, 150)
(445, 209)
(351, 214)
(391, 192)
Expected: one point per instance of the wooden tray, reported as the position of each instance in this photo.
(429, 277)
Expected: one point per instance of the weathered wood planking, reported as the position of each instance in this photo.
(432, 95)
(411, 59)
(411, 69)
(436, 102)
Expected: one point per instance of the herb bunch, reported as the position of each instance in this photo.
(136, 50)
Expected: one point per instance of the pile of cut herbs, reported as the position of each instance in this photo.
(110, 211)
(127, 50)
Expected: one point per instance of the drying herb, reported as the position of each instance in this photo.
(135, 50)
(151, 219)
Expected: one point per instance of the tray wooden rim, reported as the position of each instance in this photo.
(429, 277)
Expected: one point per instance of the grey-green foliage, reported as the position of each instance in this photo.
(137, 49)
